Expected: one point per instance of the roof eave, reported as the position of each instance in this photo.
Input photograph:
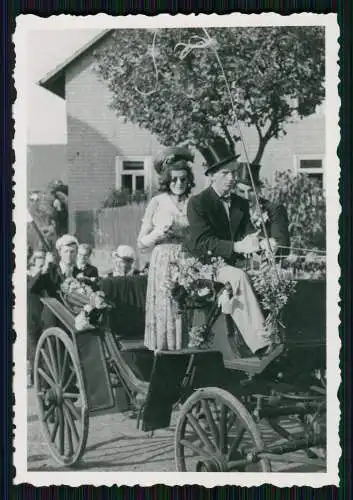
(55, 80)
(55, 84)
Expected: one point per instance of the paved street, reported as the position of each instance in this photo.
(114, 444)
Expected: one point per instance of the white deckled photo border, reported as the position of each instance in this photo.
(26, 23)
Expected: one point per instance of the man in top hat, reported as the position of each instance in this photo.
(273, 215)
(219, 221)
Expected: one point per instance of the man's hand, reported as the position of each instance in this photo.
(250, 244)
(265, 245)
(49, 259)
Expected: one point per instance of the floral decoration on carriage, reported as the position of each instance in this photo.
(192, 285)
(87, 305)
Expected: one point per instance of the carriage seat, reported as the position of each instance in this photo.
(127, 318)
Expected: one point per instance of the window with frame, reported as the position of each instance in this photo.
(313, 166)
(132, 175)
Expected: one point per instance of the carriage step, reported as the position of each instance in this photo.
(253, 364)
(132, 345)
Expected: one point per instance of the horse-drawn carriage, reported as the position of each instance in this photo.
(220, 397)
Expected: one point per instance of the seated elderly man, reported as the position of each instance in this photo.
(124, 258)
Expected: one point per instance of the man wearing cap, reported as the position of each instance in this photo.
(52, 275)
(123, 261)
(262, 211)
(218, 225)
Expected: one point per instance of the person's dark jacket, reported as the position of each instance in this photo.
(211, 232)
(90, 275)
(49, 283)
(34, 313)
(276, 224)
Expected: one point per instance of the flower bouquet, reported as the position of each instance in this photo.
(73, 285)
(190, 285)
(87, 305)
(92, 313)
(274, 288)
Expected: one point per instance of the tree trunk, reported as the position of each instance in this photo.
(260, 151)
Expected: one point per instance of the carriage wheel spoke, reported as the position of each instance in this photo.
(53, 360)
(63, 367)
(71, 395)
(58, 357)
(200, 432)
(70, 448)
(211, 423)
(47, 362)
(231, 421)
(46, 377)
(223, 429)
(54, 431)
(71, 376)
(61, 432)
(49, 412)
(71, 424)
(237, 440)
(72, 409)
(199, 452)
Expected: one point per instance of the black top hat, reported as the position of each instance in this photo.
(243, 175)
(217, 155)
(171, 155)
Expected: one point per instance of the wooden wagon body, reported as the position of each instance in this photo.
(220, 396)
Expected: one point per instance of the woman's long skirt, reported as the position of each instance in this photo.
(161, 313)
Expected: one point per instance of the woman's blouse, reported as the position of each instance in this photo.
(162, 211)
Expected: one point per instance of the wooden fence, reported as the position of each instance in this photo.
(109, 227)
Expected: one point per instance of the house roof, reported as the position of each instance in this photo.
(54, 81)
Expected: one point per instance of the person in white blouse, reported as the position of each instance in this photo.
(163, 229)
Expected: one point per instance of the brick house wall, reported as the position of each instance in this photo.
(97, 137)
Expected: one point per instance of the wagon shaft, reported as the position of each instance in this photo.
(281, 411)
(293, 445)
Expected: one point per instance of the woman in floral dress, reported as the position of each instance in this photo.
(163, 228)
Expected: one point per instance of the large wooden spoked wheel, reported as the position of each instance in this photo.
(61, 397)
(216, 433)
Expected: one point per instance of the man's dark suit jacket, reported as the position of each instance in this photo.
(276, 225)
(211, 232)
(49, 283)
(89, 271)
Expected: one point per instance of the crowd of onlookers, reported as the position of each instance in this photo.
(47, 270)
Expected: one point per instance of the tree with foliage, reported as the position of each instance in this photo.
(275, 74)
(305, 202)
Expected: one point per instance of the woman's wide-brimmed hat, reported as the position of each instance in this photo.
(217, 156)
(171, 155)
(243, 176)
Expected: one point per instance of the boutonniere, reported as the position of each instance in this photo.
(255, 217)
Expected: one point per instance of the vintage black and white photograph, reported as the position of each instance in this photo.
(176, 250)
